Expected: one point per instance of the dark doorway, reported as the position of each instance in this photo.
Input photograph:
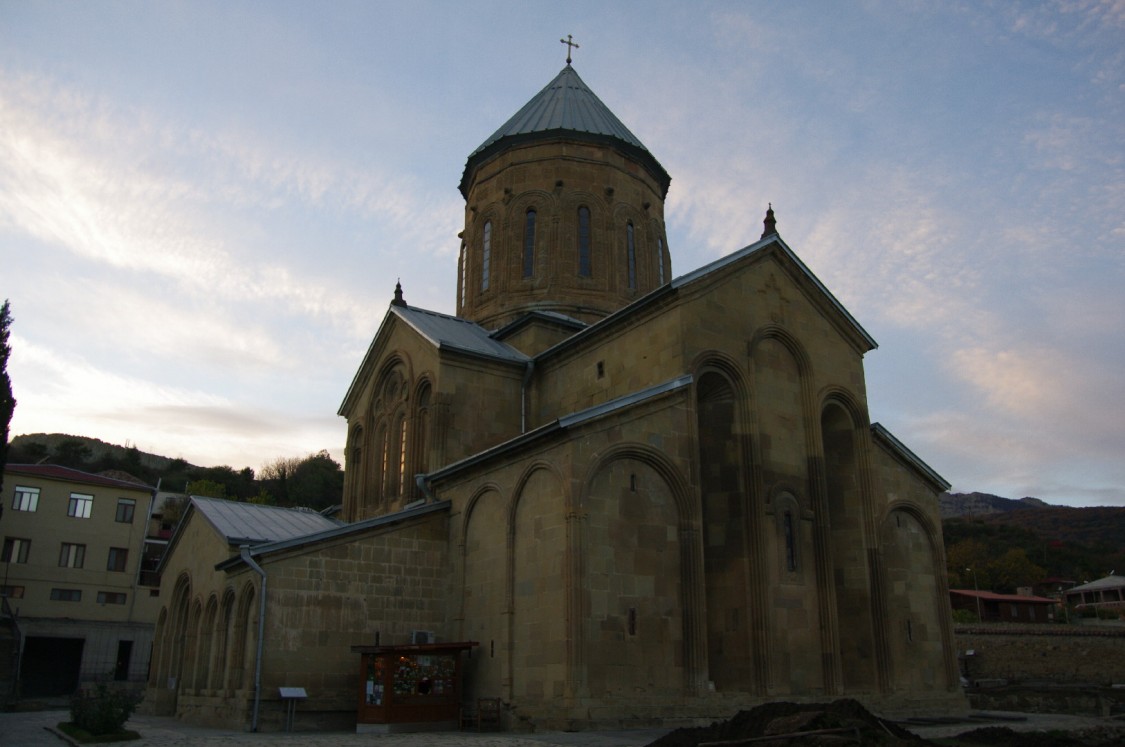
(50, 666)
(124, 653)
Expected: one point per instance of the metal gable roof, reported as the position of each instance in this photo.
(450, 332)
(251, 523)
(1111, 581)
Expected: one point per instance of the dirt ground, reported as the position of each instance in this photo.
(847, 722)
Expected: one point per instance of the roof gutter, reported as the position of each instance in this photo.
(244, 551)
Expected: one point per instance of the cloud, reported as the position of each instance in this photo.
(71, 395)
(118, 189)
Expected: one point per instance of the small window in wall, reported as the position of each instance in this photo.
(12, 592)
(790, 542)
(125, 509)
(631, 254)
(529, 244)
(118, 557)
(16, 550)
(66, 595)
(72, 556)
(80, 506)
(111, 597)
(660, 260)
(486, 256)
(25, 499)
(584, 270)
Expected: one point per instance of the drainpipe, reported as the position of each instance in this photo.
(424, 488)
(244, 551)
(523, 394)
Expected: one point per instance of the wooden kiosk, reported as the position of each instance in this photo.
(415, 687)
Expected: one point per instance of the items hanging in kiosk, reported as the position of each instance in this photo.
(410, 684)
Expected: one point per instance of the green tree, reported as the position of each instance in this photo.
(317, 482)
(1012, 570)
(30, 452)
(237, 485)
(7, 400)
(275, 476)
(964, 559)
(72, 452)
(206, 488)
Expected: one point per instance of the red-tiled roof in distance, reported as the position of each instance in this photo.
(55, 472)
(993, 596)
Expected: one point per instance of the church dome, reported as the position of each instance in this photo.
(564, 213)
(565, 107)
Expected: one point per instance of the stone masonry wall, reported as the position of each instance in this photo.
(1047, 653)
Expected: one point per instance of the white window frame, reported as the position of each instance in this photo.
(72, 555)
(25, 499)
(81, 506)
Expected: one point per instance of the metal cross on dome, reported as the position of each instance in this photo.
(569, 45)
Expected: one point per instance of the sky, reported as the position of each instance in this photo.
(204, 206)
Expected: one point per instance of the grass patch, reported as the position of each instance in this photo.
(79, 734)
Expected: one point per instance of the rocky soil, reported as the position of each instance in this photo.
(844, 722)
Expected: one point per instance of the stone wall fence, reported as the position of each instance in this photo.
(1075, 669)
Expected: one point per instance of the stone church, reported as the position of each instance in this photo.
(642, 496)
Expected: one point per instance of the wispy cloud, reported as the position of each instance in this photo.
(119, 189)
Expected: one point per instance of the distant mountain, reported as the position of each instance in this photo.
(1074, 543)
(983, 504)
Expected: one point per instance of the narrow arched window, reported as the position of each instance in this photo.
(660, 260)
(383, 461)
(584, 242)
(462, 265)
(631, 254)
(529, 244)
(402, 456)
(486, 255)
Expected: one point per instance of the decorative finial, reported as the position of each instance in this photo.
(769, 223)
(569, 44)
(399, 301)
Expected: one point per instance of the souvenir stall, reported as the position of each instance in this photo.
(415, 687)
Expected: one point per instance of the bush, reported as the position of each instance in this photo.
(964, 617)
(103, 710)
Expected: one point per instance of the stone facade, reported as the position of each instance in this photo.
(644, 498)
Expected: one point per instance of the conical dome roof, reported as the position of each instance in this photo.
(566, 107)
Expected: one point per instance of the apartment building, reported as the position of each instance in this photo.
(76, 605)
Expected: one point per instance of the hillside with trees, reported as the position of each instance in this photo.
(1011, 543)
(314, 481)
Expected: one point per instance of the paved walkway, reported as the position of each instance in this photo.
(34, 729)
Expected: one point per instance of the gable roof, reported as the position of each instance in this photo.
(454, 333)
(1107, 582)
(444, 332)
(66, 474)
(771, 243)
(336, 532)
(762, 245)
(252, 523)
(898, 448)
(565, 107)
(991, 596)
